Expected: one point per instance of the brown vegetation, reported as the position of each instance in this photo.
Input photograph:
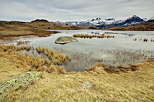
(92, 36)
(135, 86)
(31, 62)
(100, 68)
(103, 84)
(37, 27)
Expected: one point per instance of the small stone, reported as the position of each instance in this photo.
(86, 85)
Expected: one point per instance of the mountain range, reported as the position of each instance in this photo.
(99, 23)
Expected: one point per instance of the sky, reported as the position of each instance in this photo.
(74, 10)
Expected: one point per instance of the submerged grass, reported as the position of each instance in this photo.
(126, 57)
(144, 39)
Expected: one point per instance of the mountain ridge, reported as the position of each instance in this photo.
(99, 23)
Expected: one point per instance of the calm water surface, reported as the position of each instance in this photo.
(112, 51)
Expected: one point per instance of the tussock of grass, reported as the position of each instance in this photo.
(101, 68)
(58, 69)
(22, 42)
(30, 62)
(97, 68)
(92, 36)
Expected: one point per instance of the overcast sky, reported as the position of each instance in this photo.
(64, 10)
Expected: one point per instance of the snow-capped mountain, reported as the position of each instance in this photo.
(92, 22)
(105, 23)
(130, 21)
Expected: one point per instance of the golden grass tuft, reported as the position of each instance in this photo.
(55, 62)
(40, 49)
(92, 36)
(51, 69)
(97, 68)
(27, 48)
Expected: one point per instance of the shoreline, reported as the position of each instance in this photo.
(27, 33)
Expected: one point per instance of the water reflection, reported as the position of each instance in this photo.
(119, 50)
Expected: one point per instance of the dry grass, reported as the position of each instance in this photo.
(22, 42)
(9, 69)
(5, 33)
(92, 36)
(101, 68)
(123, 87)
(55, 57)
(38, 28)
(133, 86)
(30, 62)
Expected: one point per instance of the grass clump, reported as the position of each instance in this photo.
(31, 62)
(92, 36)
(40, 49)
(143, 39)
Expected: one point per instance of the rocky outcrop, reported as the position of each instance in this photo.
(17, 82)
(65, 40)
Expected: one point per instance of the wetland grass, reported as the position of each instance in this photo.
(143, 39)
(126, 57)
(31, 62)
(92, 36)
(132, 84)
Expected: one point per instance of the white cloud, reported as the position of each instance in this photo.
(73, 9)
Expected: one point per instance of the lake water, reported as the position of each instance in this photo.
(123, 49)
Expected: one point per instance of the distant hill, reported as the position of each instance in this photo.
(38, 24)
(37, 27)
(145, 26)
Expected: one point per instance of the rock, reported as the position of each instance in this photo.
(17, 82)
(65, 40)
(86, 85)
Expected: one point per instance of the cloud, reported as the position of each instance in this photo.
(54, 10)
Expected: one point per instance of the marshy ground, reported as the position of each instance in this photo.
(94, 84)
(56, 84)
(84, 75)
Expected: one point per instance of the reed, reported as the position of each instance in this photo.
(143, 39)
(126, 57)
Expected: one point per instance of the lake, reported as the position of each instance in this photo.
(128, 47)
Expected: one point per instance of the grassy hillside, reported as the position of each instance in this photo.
(94, 85)
(146, 26)
(37, 27)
